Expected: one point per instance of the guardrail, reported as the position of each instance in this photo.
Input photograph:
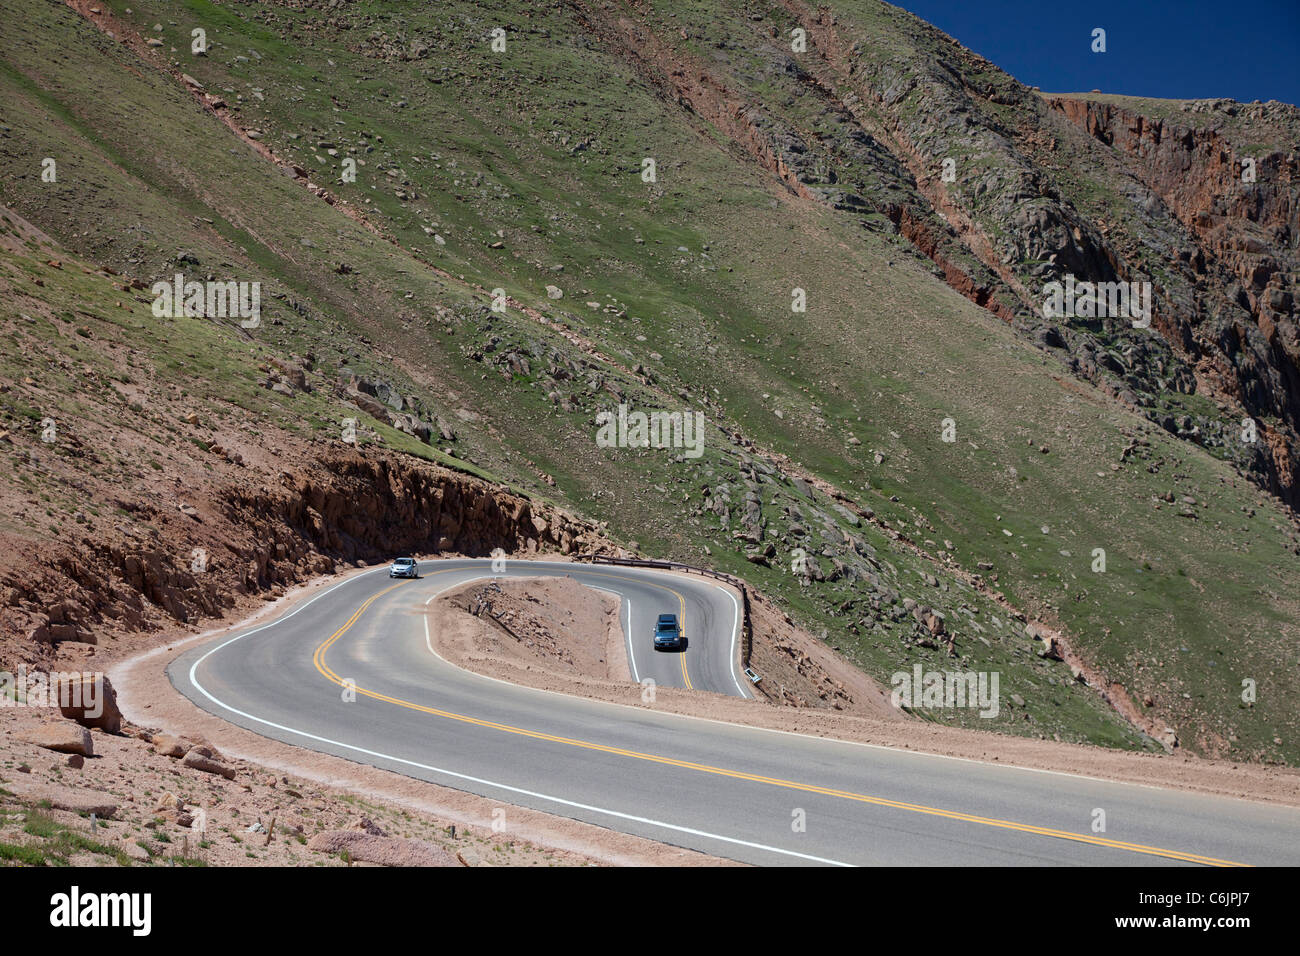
(746, 628)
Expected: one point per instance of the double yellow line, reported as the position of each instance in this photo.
(318, 658)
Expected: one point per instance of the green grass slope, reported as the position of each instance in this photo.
(523, 169)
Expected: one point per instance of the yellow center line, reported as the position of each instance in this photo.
(318, 659)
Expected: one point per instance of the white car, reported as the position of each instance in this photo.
(404, 568)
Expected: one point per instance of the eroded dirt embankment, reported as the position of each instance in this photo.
(551, 625)
(230, 544)
(556, 634)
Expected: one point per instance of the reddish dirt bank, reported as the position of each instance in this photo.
(123, 579)
(546, 624)
(1246, 227)
(559, 635)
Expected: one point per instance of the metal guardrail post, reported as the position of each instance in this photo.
(747, 644)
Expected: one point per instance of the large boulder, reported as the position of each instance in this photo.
(63, 737)
(366, 403)
(90, 700)
(171, 746)
(1050, 648)
(204, 759)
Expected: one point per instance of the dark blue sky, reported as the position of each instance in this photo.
(1243, 49)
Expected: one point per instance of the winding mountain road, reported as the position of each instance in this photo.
(748, 794)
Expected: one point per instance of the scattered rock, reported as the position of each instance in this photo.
(169, 803)
(366, 825)
(170, 746)
(197, 759)
(64, 737)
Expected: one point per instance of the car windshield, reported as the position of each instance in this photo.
(404, 561)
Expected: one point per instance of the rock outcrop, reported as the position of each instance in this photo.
(344, 507)
(1237, 324)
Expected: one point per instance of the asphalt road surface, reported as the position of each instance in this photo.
(748, 794)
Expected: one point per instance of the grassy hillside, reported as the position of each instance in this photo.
(478, 170)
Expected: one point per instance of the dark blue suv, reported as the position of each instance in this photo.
(668, 636)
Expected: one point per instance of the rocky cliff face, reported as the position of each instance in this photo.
(887, 120)
(342, 508)
(368, 508)
(1237, 201)
(1135, 199)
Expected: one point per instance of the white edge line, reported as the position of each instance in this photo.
(629, 640)
(735, 632)
(627, 633)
